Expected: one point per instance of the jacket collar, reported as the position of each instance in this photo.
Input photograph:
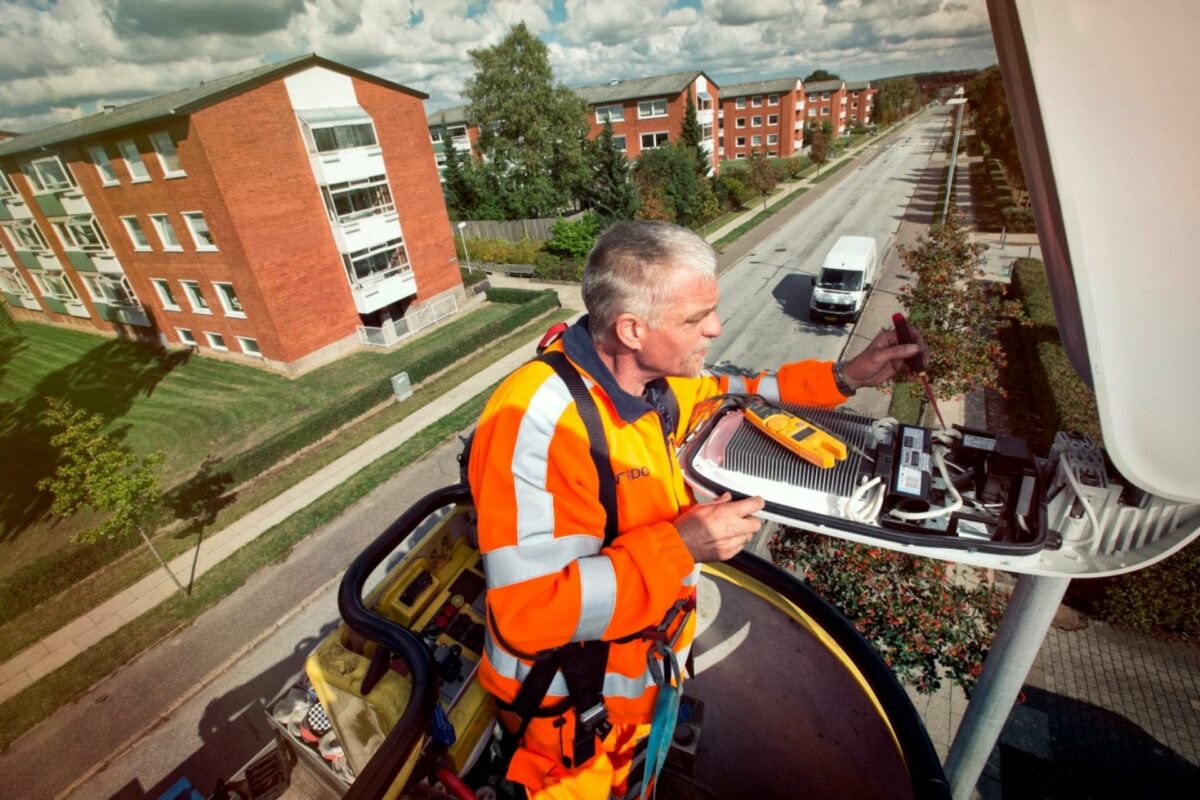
(579, 347)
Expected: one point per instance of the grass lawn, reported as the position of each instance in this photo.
(198, 411)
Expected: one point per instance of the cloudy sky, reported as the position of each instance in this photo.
(60, 59)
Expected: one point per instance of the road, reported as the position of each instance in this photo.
(192, 706)
(765, 295)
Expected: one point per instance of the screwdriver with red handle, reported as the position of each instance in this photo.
(905, 335)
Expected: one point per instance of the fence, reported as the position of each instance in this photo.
(536, 230)
(399, 329)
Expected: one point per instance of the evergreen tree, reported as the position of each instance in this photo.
(691, 137)
(531, 131)
(609, 191)
(454, 180)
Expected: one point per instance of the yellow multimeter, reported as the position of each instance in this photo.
(806, 440)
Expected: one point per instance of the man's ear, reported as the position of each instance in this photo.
(630, 331)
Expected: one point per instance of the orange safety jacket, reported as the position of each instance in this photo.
(541, 524)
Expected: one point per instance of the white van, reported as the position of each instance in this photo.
(847, 275)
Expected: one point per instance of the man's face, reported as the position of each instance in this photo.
(678, 342)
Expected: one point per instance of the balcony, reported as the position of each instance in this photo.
(365, 232)
(339, 166)
(17, 208)
(705, 117)
(377, 291)
(122, 313)
(95, 261)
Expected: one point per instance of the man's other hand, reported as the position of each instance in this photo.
(718, 531)
(884, 359)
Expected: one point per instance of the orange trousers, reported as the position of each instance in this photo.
(538, 762)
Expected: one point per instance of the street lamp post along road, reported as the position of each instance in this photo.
(466, 252)
(959, 101)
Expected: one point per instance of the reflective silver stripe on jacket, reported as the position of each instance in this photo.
(521, 562)
(615, 684)
(531, 458)
(768, 386)
(692, 577)
(598, 590)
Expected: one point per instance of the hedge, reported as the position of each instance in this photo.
(263, 456)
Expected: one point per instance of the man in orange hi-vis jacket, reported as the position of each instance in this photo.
(651, 294)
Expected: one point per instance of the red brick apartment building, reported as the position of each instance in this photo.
(647, 112)
(843, 105)
(464, 136)
(763, 116)
(276, 215)
(862, 103)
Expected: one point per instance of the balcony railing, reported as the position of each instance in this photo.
(400, 329)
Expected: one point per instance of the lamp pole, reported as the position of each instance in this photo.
(959, 101)
(466, 252)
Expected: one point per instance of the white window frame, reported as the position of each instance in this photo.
(195, 298)
(7, 189)
(772, 99)
(655, 143)
(19, 285)
(401, 266)
(772, 138)
(162, 287)
(213, 337)
(375, 182)
(164, 148)
(162, 222)
(99, 284)
(739, 102)
(187, 337)
(812, 98)
(740, 156)
(229, 300)
(610, 113)
(310, 136)
(43, 245)
(132, 224)
(824, 95)
(772, 119)
(649, 109)
(825, 111)
(812, 112)
(68, 233)
(256, 353)
(755, 141)
(202, 246)
(132, 155)
(41, 186)
(39, 278)
(103, 164)
(756, 101)
(739, 122)
(619, 142)
(706, 131)
(740, 141)
(756, 122)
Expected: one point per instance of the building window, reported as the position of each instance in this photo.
(216, 341)
(136, 234)
(133, 161)
(167, 155)
(353, 200)
(28, 236)
(854, 105)
(824, 95)
(6, 187)
(48, 175)
(165, 295)
(741, 141)
(186, 336)
(704, 101)
(740, 156)
(229, 300)
(652, 108)
(755, 122)
(110, 290)
(772, 138)
(812, 112)
(376, 263)
(81, 233)
(619, 143)
(755, 141)
(854, 93)
(98, 156)
(614, 113)
(773, 100)
(772, 119)
(55, 284)
(342, 137)
(14, 283)
(739, 122)
(653, 140)
(166, 232)
(772, 154)
(739, 103)
(706, 131)
(249, 346)
(195, 298)
(201, 235)
(812, 98)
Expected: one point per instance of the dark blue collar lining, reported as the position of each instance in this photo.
(578, 344)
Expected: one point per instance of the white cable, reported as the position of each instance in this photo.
(1087, 506)
(934, 513)
(871, 510)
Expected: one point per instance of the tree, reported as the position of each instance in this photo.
(761, 175)
(671, 189)
(821, 75)
(818, 148)
(988, 104)
(455, 186)
(959, 314)
(97, 472)
(531, 131)
(691, 136)
(898, 97)
(609, 192)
